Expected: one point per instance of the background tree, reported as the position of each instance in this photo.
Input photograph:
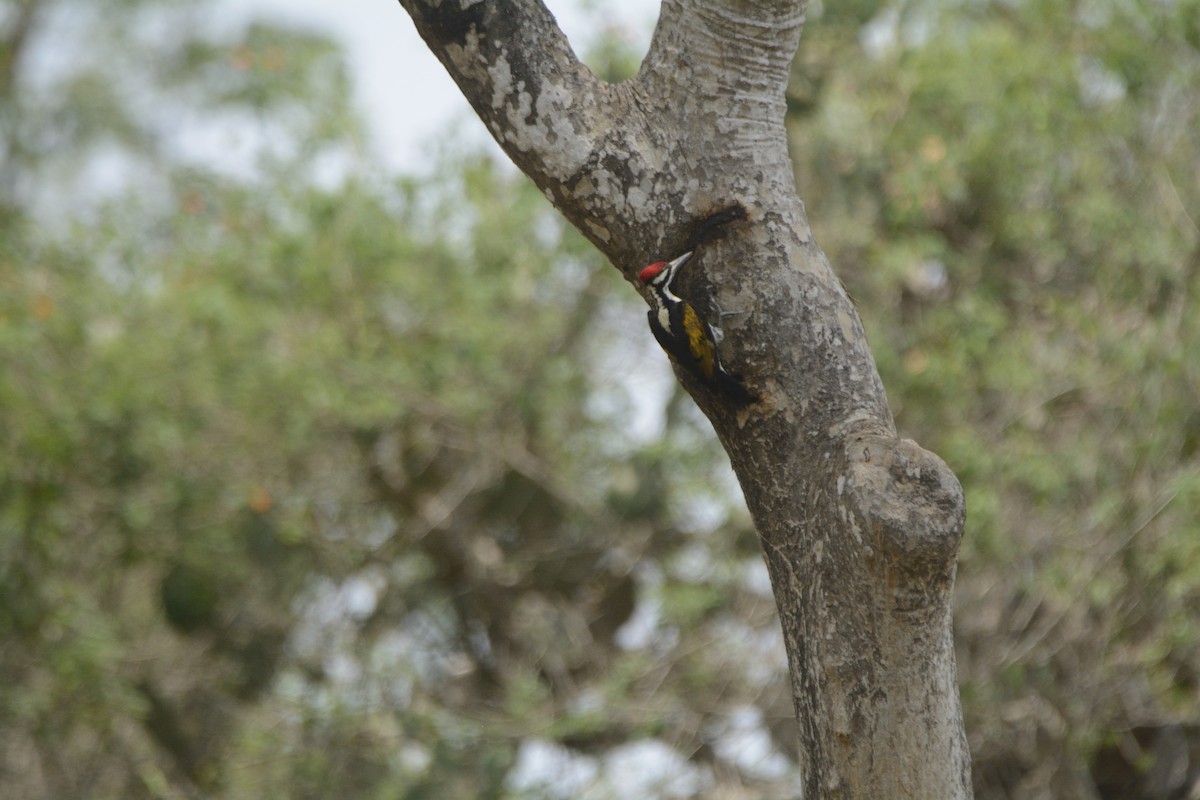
(284, 512)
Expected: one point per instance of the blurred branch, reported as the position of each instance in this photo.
(15, 39)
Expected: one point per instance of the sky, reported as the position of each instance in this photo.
(403, 91)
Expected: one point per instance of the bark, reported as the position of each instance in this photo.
(860, 529)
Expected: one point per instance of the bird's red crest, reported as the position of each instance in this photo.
(651, 272)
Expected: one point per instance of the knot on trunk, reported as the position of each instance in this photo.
(911, 505)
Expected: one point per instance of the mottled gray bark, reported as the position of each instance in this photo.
(860, 529)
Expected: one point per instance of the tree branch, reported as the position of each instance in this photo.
(516, 68)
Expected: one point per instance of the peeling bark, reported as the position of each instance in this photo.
(860, 529)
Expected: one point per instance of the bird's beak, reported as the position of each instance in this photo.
(677, 263)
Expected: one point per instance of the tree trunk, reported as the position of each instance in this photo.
(860, 529)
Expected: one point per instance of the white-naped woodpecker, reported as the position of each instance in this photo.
(689, 340)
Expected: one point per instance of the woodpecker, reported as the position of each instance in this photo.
(689, 340)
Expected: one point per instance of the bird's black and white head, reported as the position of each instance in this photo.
(659, 275)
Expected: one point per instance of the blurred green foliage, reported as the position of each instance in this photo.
(316, 482)
(1011, 192)
(313, 486)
